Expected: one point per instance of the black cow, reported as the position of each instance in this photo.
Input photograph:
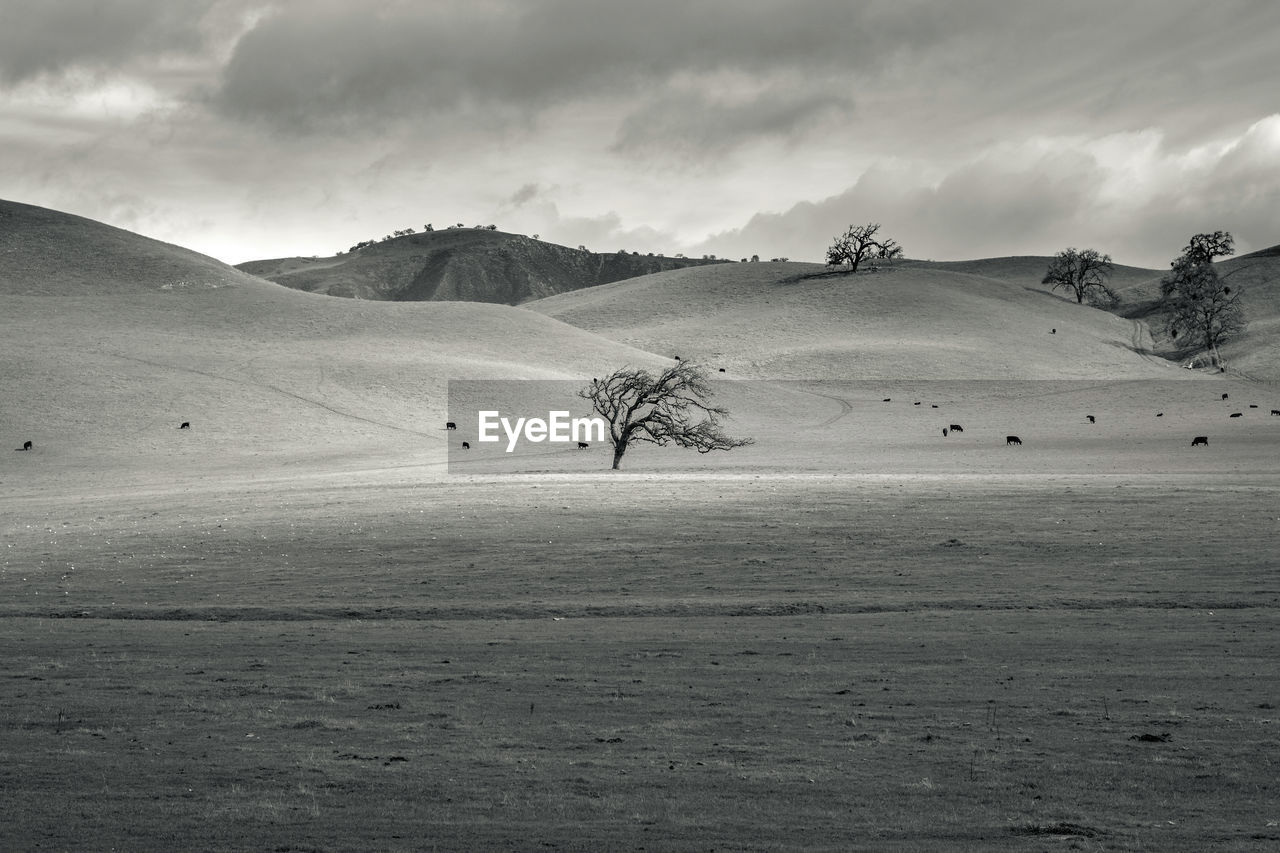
(722, 370)
(582, 444)
(944, 432)
(1237, 415)
(886, 400)
(466, 445)
(1091, 419)
(26, 445)
(1224, 396)
(1275, 411)
(933, 405)
(1199, 440)
(1053, 331)
(1012, 439)
(1253, 405)
(1159, 414)
(916, 403)
(185, 425)
(957, 428)
(450, 425)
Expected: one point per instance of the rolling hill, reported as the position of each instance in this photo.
(109, 340)
(470, 264)
(911, 320)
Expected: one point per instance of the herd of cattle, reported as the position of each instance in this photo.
(1198, 441)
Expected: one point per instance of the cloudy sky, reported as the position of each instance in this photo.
(968, 128)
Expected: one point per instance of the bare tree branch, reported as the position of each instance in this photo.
(660, 410)
(858, 244)
(1081, 272)
(1199, 306)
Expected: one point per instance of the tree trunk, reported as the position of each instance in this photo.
(618, 450)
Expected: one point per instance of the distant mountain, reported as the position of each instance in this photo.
(461, 264)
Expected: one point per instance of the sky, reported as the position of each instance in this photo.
(248, 129)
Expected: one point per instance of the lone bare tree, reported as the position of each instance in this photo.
(1082, 272)
(860, 243)
(659, 409)
(1203, 248)
(1196, 299)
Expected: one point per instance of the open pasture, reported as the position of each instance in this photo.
(731, 662)
(895, 428)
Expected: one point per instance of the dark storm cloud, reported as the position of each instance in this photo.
(39, 37)
(1005, 204)
(313, 64)
(1002, 209)
(967, 128)
(701, 126)
(524, 195)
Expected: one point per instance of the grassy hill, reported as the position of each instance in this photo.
(469, 264)
(109, 340)
(966, 320)
(1029, 270)
(1256, 353)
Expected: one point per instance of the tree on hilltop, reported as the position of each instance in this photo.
(1083, 272)
(1199, 306)
(659, 409)
(1203, 248)
(860, 243)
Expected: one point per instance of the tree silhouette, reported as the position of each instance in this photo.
(659, 409)
(860, 243)
(1081, 272)
(1200, 307)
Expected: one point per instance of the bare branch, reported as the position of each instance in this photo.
(1082, 272)
(859, 243)
(660, 410)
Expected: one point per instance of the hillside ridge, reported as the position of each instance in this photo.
(468, 264)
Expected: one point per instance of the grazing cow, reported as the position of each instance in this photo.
(1012, 439)
(26, 445)
(1159, 414)
(1253, 405)
(957, 428)
(1236, 415)
(1275, 411)
(185, 425)
(944, 432)
(466, 445)
(1053, 331)
(1091, 419)
(933, 405)
(450, 425)
(916, 403)
(886, 399)
(722, 370)
(582, 444)
(1224, 396)
(678, 358)
(1200, 440)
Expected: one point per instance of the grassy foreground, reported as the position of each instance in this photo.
(723, 664)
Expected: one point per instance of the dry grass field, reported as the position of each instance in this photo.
(311, 622)
(732, 663)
